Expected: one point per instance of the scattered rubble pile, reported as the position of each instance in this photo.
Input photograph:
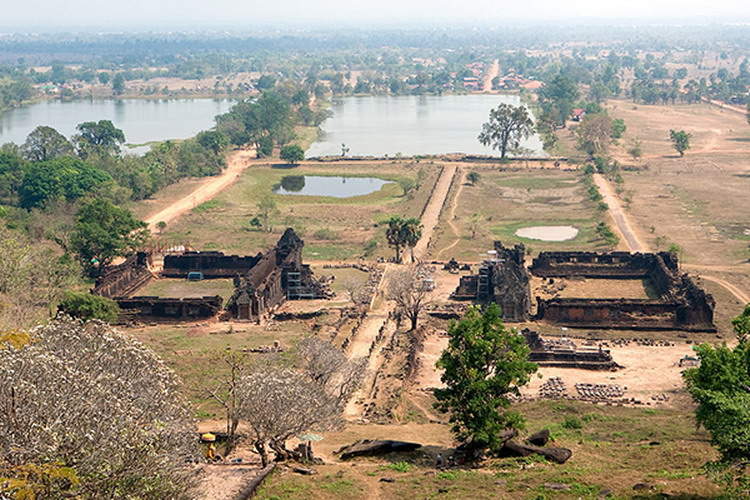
(598, 392)
(553, 388)
(266, 349)
(641, 342)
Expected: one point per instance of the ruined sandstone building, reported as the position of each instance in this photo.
(680, 305)
(262, 282)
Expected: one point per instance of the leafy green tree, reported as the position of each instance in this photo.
(473, 177)
(45, 143)
(618, 128)
(103, 77)
(104, 231)
(214, 140)
(11, 174)
(293, 183)
(403, 233)
(100, 137)
(118, 84)
(507, 126)
(265, 82)
(292, 154)
(87, 306)
(720, 386)
(558, 97)
(484, 364)
(680, 140)
(267, 208)
(264, 147)
(64, 177)
(635, 150)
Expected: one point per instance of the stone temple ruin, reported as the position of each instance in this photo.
(262, 282)
(678, 302)
(564, 353)
(503, 280)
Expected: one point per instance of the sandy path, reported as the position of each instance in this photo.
(368, 333)
(492, 72)
(206, 190)
(622, 222)
(739, 294)
(431, 214)
(723, 105)
(460, 178)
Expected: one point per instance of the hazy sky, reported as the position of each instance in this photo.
(209, 13)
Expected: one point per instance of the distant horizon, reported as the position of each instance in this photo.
(181, 15)
(268, 28)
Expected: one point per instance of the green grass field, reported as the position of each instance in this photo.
(333, 228)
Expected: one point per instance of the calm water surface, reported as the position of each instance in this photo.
(411, 125)
(142, 120)
(337, 187)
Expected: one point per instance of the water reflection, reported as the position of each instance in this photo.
(411, 125)
(335, 186)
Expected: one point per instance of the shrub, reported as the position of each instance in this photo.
(326, 234)
(87, 306)
(572, 423)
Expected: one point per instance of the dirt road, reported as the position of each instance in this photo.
(210, 187)
(723, 105)
(460, 179)
(431, 214)
(492, 72)
(622, 222)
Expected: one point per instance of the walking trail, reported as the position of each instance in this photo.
(431, 213)
(634, 244)
(363, 344)
(206, 190)
(460, 179)
(621, 219)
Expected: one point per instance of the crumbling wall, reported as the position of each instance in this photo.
(124, 279)
(159, 308)
(211, 264)
(611, 265)
(503, 280)
(682, 304)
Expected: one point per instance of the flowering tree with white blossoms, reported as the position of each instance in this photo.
(84, 396)
(280, 403)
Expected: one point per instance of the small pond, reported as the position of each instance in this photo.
(548, 233)
(335, 186)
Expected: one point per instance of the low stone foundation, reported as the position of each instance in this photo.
(168, 309)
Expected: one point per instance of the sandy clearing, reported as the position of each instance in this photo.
(237, 162)
(647, 371)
